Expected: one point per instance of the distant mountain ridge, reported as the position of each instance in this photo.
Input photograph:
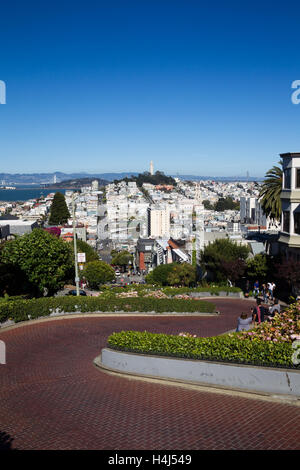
(76, 183)
(49, 178)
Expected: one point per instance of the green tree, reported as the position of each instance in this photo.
(219, 258)
(258, 267)
(121, 258)
(182, 275)
(227, 203)
(45, 260)
(159, 275)
(97, 273)
(207, 205)
(59, 212)
(270, 192)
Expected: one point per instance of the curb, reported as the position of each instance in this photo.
(71, 315)
(283, 384)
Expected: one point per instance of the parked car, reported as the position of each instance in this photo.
(117, 272)
(73, 292)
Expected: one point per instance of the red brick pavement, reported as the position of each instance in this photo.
(53, 397)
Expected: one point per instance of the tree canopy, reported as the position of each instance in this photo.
(45, 261)
(159, 275)
(158, 178)
(258, 267)
(225, 259)
(227, 203)
(121, 258)
(59, 212)
(183, 274)
(222, 204)
(270, 192)
(97, 273)
(173, 274)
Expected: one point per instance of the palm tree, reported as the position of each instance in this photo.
(270, 192)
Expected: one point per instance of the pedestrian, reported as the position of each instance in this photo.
(275, 306)
(271, 287)
(259, 312)
(247, 288)
(264, 291)
(256, 288)
(244, 322)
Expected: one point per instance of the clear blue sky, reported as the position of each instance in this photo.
(199, 88)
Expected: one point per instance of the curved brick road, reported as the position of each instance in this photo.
(53, 397)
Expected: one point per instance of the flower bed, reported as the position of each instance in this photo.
(185, 293)
(127, 295)
(268, 344)
(224, 348)
(282, 328)
(157, 294)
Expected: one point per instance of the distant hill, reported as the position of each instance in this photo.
(76, 183)
(36, 179)
(22, 179)
(158, 178)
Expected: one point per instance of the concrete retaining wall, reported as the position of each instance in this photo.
(238, 295)
(250, 378)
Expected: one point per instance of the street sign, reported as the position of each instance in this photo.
(81, 257)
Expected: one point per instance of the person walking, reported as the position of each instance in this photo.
(256, 288)
(271, 287)
(259, 312)
(265, 292)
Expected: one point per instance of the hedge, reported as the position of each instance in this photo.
(20, 310)
(224, 348)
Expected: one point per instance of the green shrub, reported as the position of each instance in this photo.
(97, 272)
(225, 348)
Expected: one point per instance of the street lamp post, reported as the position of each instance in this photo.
(75, 245)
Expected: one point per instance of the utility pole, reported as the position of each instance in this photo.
(75, 245)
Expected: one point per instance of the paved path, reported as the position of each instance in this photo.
(53, 397)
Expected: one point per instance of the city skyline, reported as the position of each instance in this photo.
(199, 90)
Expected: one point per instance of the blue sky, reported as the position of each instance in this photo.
(199, 88)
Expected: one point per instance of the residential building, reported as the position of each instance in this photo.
(159, 222)
(19, 227)
(289, 238)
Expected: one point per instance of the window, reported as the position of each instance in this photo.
(298, 178)
(287, 178)
(297, 222)
(286, 221)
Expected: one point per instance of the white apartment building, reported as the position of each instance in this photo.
(159, 223)
(251, 212)
(289, 238)
(126, 219)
